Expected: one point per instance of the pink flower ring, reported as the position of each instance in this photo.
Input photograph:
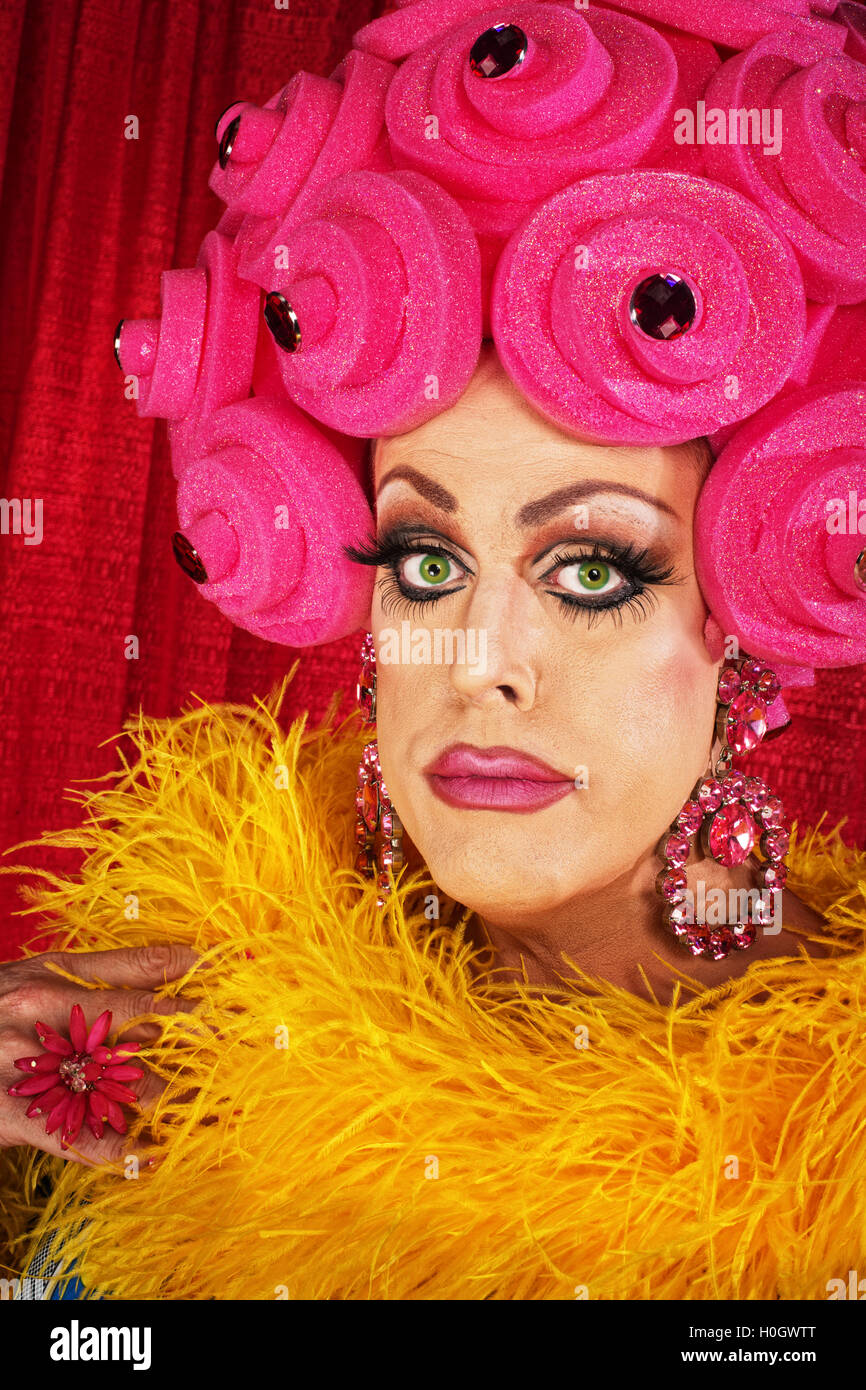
(777, 540)
(814, 188)
(564, 290)
(78, 1078)
(265, 503)
(384, 281)
(200, 354)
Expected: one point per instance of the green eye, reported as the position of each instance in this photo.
(423, 570)
(593, 575)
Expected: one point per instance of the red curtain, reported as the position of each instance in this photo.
(88, 220)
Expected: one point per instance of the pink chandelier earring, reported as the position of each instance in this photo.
(732, 813)
(372, 802)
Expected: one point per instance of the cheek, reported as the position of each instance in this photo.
(405, 708)
(664, 725)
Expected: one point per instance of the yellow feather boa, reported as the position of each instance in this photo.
(427, 1133)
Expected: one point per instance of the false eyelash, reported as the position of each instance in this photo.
(396, 545)
(637, 565)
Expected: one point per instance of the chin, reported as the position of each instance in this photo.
(500, 876)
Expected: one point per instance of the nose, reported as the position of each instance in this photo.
(503, 636)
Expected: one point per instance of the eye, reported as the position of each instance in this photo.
(428, 569)
(592, 576)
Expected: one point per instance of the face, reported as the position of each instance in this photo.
(538, 602)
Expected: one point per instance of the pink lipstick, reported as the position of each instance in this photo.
(495, 779)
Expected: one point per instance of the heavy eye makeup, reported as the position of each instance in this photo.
(593, 577)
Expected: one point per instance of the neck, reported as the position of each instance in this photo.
(617, 934)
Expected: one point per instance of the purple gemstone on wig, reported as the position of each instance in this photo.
(188, 558)
(662, 306)
(282, 321)
(746, 722)
(732, 835)
(230, 134)
(730, 684)
(498, 50)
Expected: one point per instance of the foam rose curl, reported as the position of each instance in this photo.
(378, 310)
(777, 540)
(565, 287)
(265, 503)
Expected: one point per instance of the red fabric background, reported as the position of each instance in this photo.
(88, 220)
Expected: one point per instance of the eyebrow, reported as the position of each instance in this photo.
(533, 513)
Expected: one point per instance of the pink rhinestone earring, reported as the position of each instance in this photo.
(732, 812)
(372, 802)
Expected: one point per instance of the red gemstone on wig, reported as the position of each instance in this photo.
(498, 50)
(710, 794)
(730, 684)
(691, 818)
(732, 835)
(746, 723)
(663, 306)
(676, 850)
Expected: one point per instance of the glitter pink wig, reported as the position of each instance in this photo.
(596, 189)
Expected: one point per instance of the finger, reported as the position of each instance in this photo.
(129, 967)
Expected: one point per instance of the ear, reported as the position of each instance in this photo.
(714, 639)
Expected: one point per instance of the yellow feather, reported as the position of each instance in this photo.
(429, 1133)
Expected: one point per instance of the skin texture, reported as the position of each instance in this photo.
(623, 700)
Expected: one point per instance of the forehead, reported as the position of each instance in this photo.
(494, 453)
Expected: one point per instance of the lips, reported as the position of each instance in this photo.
(499, 778)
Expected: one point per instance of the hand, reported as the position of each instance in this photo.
(30, 992)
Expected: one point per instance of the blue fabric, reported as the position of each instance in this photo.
(74, 1289)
